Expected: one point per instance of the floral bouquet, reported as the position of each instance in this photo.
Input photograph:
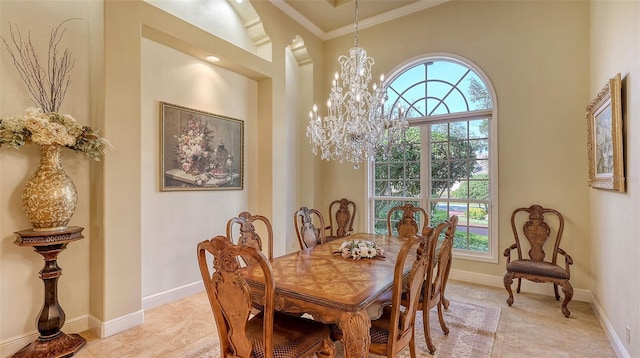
(48, 86)
(358, 249)
(192, 152)
(37, 127)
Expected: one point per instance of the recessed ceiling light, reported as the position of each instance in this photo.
(212, 59)
(239, 1)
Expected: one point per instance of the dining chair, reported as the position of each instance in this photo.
(309, 235)
(266, 334)
(449, 237)
(344, 212)
(436, 278)
(407, 225)
(395, 329)
(537, 267)
(247, 232)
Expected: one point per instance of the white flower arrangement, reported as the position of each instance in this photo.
(358, 249)
(48, 86)
(40, 128)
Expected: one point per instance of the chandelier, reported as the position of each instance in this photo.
(356, 126)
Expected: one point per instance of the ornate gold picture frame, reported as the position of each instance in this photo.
(200, 150)
(605, 138)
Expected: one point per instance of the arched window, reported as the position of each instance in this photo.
(448, 163)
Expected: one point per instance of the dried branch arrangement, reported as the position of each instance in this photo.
(48, 87)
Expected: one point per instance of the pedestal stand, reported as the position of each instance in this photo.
(52, 343)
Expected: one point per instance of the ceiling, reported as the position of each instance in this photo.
(332, 18)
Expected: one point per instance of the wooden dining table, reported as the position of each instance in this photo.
(333, 289)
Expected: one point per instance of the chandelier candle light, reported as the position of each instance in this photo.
(356, 126)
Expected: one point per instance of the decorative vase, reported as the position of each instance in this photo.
(49, 197)
(221, 153)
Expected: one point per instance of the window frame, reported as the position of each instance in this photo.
(425, 199)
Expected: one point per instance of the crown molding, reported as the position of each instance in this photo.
(362, 24)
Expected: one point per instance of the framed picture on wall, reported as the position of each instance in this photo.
(200, 150)
(605, 138)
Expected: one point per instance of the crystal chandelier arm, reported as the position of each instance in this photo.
(356, 125)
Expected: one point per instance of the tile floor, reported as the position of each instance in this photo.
(532, 327)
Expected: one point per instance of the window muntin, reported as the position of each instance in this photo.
(445, 168)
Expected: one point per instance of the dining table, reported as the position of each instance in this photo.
(333, 289)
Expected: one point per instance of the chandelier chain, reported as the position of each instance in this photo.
(356, 25)
(357, 126)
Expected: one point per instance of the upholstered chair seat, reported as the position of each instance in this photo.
(539, 268)
(287, 335)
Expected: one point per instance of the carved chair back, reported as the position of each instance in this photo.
(395, 329)
(536, 232)
(245, 335)
(407, 226)
(344, 212)
(247, 232)
(437, 274)
(443, 264)
(309, 235)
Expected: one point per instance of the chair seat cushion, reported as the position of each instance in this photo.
(293, 337)
(538, 268)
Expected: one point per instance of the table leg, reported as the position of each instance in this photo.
(356, 337)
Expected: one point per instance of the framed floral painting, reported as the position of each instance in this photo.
(200, 150)
(605, 138)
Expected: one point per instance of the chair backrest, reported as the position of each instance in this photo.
(309, 235)
(248, 235)
(344, 212)
(536, 231)
(443, 259)
(407, 226)
(403, 312)
(230, 295)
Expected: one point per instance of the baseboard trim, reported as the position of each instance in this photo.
(121, 324)
(174, 294)
(616, 343)
(12, 345)
(117, 325)
(497, 281)
(547, 290)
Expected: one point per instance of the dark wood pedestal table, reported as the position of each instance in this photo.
(52, 342)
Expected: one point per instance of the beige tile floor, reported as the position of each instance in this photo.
(532, 327)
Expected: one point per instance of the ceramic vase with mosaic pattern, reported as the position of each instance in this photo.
(49, 197)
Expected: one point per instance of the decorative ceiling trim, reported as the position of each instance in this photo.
(364, 23)
(252, 23)
(299, 18)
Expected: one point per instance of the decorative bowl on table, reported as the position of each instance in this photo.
(358, 249)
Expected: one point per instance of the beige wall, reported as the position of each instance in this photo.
(174, 222)
(536, 56)
(535, 53)
(613, 217)
(21, 291)
(105, 271)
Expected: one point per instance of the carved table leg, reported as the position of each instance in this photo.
(356, 337)
(52, 342)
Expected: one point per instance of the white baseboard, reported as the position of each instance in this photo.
(497, 281)
(12, 345)
(121, 324)
(174, 294)
(547, 289)
(117, 325)
(616, 343)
